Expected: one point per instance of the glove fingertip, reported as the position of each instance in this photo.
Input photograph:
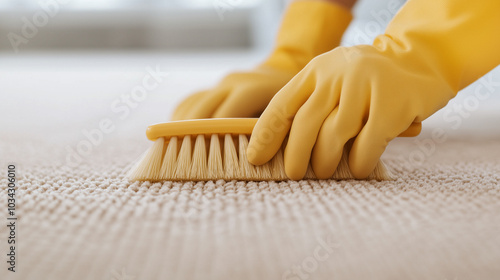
(362, 161)
(256, 157)
(259, 152)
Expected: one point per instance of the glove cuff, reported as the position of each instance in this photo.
(458, 39)
(308, 29)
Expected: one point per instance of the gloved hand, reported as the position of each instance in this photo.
(309, 28)
(429, 52)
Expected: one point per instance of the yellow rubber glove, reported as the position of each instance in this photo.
(309, 28)
(430, 51)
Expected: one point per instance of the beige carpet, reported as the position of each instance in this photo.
(439, 220)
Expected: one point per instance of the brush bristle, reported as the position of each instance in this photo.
(183, 165)
(215, 166)
(231, 165)
(226, 159)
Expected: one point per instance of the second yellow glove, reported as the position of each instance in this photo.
(309, 28)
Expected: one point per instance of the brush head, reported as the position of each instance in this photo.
(212, 149)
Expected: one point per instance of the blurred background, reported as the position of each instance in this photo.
(65, 63)
(156, 24)
(139, 24)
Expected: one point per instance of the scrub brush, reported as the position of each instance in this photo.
(211, 149)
